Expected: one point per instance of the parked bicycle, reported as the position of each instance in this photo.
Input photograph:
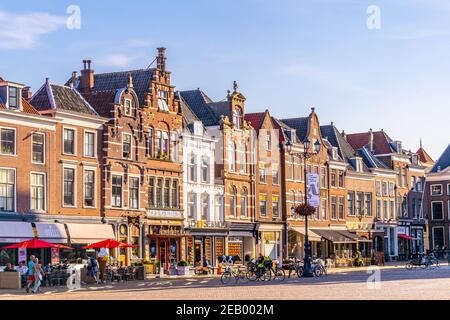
(319, 268)
(294, 265)
(236, 273)
(424, 262)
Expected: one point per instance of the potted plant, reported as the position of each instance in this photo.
(183, 268)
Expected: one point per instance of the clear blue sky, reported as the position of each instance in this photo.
(286, 55)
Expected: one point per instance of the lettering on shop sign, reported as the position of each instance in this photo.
(164, 214)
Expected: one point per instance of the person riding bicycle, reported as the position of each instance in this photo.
(260, 266)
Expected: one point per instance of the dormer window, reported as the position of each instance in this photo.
(359, 165)
(398, 145)
(334, 153)
(237, 118)
(14, 98)
(415, 159)
(128, 107)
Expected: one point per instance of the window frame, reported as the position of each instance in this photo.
(14, 154)
(434, 185)
(15, 189)
(75, 144)
(122, 191)
(44, 174)
(74, 168)
(85, 132)
(131, 145)
(130, 177)
(43, 147)
(432, 211)
(92, 169)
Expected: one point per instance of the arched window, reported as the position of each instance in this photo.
(231, 156)
(233, 201)
(244, 202)
(243, 158)
(237, 115)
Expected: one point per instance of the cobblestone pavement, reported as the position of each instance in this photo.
(395, 283)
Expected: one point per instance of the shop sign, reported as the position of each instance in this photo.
(401, 230)
(164, 214)
(313, 190)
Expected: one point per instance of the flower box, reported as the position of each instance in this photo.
(183, 271)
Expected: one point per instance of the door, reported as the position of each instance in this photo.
(198, 253)
(163, 254)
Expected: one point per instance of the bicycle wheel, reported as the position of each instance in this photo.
(226, 277)
(265, 276)
(279, 275)
(242, 277)
(268, 274)
(300, 272)
(251, 275)
(409, 266)
(317, 271)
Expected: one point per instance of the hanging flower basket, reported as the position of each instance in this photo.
(305, 210)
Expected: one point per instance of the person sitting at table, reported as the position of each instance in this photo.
(23, 268)
(9, 268)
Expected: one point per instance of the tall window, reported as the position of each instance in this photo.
(268, 141)
(231, 156)
(89, 188)
(333, 207)
(233, 201)
(191, 205)
(368, 205)
(205, 207)
(341, 208)
(244, 202)
(89, 144)
(275, 206)
(333, 178)
(378, 188)
(126, 146)
(262, 173)
(69, 141)
(391, 189)
(341, 179)
(290, 167)
(384, 188)
(159, 193)
(243, 158)
(385, 209)
(116, 191)
(291, 207)
(404, 177)
(7, 141)
(174, 198)
(237, 118)
(69, 187)
(7, 190)
(37, 140)
(38, 191)
(379, 215)
(323, 177)
(14, 98)
(163, 144)
(192, 168)
(414, 208)
(176, 147)
(351, 203)
(128, 107)
(324, 209)
(166, 193)
(151, 192)
(133, 190)
(359, 203)
(275, 174)
(151, 142)
(392, 210)
(437, 210)
(263, 205)
(205, 169)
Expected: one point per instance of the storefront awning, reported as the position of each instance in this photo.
(333, 236)
(240, 234)
(15, 231)
(404, 236)
(353, 236)
(86, 233)
(51, 232)
(311, 235)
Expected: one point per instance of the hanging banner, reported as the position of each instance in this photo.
(22, 255)
(55, 255)
(313, 189)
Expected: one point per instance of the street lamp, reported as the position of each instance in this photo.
(307, 269)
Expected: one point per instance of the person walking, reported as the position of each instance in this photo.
(30, 272)
(38, 276)
(92, 268)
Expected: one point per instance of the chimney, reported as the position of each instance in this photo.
(87, 77)
(73, 79)
(161, 59)
(26, 93)
(371, 140)
(344, 135)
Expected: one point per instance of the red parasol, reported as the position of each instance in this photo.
(109, 243)
(35, 244)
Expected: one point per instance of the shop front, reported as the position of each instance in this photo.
(55, 233)
(241, 242)
(205, 240)
(296, 242)
(338, 245)
(417, 245)
(405, 242)
(270, 241)
(14, 232)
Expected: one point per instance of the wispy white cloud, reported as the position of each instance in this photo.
(119, 60)
(22, 31)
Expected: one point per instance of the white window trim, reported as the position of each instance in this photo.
(259, 205)
(139, 191)
(44, 145)
(431, 190)
(431, 210)
(15, 187)
(84, 143)
(131, 146)
(131, 107)
(95, 187)
(448, 189)
(45, 191)
(15, 143)
(68, 166)
(75, 140)
(122, 202)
